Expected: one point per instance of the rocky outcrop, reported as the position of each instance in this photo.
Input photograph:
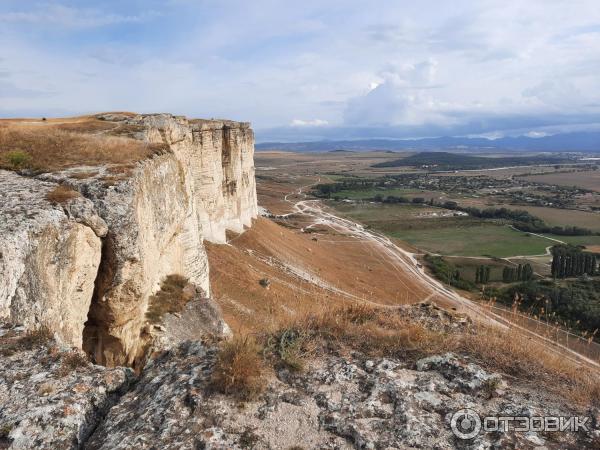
(221, 178)
(337, 402)
(49, 257)
(51, 398)
(154, 218)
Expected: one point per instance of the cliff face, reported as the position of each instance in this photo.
(48, 261)
(157, 214)
(221, 180)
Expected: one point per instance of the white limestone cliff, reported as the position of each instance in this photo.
(48, 260)
(157, 215)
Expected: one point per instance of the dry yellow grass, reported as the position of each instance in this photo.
(9, 344)
(72, 361)
(56, 145)
(61, 195)
(513, 353)
(172, 297)
(239, 368)
(382, 332)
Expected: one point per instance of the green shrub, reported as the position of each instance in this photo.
(18, 159)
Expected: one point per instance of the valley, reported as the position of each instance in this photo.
(401, 233)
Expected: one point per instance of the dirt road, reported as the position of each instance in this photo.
(406, 263)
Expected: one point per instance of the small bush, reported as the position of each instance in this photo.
(71, 362)
(61, 195)
(18, 159)
(4, 432)
(46, 389)
(171, 298)
(11, 343)
(239, 368)
(290, 346)
(249, 438)
(35, 338)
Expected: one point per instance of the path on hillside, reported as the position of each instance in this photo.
(406, 263)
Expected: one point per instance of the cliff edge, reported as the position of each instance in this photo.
(97, 211)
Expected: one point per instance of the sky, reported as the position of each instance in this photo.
(309, 70)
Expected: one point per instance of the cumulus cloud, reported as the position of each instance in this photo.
(401, 98)
(311, 68)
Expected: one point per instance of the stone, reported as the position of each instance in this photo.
(469, 377)
(48, 260)
(43, 406)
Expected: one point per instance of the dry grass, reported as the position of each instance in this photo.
(71, 362)
(242, 363)
(172, 297)
(372, 331)
(382, 332)
(51, 146)
(239, 368)
(10, 344)
(513, 353)
(61, 195)
(84, 175)
(46, 389)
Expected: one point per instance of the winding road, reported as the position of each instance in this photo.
(405, 263)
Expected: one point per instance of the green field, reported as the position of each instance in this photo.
(577, 240)
(468, 266)
(479, 240)
(370, 213)
(362, 194)
(458, 236)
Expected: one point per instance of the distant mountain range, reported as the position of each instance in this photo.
(453, 161)
(566, 142)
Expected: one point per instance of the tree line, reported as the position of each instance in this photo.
(523, 272)
(571, 261)
(575, 303)
(482, 274)
(520, 219)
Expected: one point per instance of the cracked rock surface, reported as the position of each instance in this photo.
(51, 397)
(338, 402)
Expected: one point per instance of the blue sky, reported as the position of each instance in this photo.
(311, 69)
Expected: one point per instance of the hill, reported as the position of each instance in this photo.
(456, 161)
(579, 142)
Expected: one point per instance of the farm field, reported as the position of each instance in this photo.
(381, 214)
(552, 216)
(477, 240)
(363, 194)
(577, 240)
(561, 217)
(468, 266)
(458, 236)
(588, 180)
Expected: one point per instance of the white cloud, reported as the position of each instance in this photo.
(309, 123)
(536, 134)
(68, 17)
(431, 67)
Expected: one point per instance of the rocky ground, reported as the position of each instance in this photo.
(50, 398)
(338, 402)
